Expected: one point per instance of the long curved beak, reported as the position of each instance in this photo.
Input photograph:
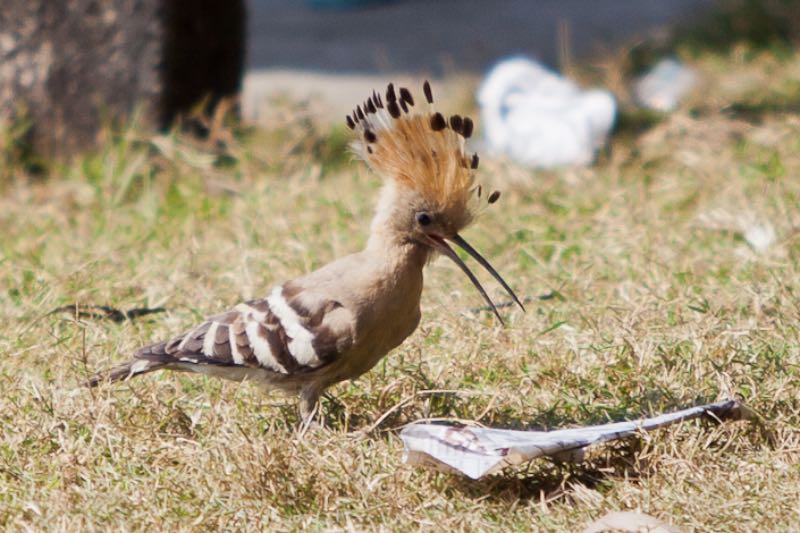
(439, 244)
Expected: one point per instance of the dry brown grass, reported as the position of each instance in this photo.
(659, 303)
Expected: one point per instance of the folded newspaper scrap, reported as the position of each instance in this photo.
(479, 451)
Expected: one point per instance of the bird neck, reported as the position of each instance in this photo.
(397, 253)
(390, 244)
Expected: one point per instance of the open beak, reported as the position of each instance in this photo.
(439, 244)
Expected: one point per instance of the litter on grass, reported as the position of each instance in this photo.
(629, 521)
(541, 119)
(477, 452)
(663, 88)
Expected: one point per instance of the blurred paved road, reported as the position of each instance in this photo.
(296, 49)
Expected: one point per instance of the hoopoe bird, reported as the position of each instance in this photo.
(337, 322)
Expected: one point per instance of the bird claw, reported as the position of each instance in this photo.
(309, 426)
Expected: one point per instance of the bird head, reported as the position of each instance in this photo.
(430, 193)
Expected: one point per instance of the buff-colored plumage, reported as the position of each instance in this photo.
(337, 322)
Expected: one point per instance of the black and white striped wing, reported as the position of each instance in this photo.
(277, 334)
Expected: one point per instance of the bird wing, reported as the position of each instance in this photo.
(285, 333)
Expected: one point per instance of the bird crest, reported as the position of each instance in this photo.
(421, 150)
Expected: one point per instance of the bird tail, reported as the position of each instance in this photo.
(134, 367)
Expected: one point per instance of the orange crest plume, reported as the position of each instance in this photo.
(422, 151)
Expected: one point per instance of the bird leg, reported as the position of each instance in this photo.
(309, 406)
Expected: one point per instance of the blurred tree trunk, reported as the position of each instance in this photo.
(71, 66)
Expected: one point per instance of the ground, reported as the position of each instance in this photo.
(663, 277)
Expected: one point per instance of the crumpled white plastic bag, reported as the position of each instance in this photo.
(665, 85)
(480, 451)
(541, 119)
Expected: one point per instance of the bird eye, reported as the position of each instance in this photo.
(424, 218)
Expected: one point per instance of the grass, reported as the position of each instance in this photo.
(660, 302)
